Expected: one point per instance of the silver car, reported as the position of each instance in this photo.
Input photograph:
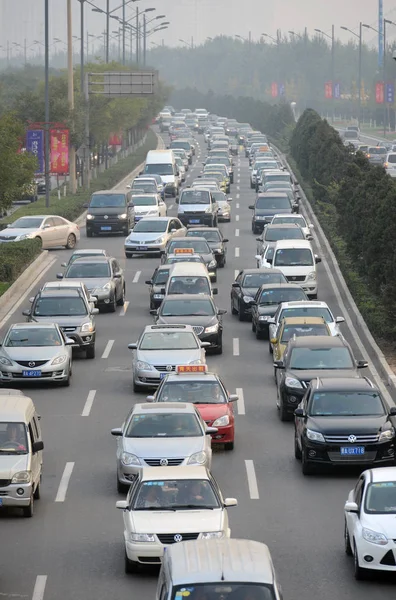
(151, 234)
(161, 435)
(160, 349)
(35, 353)
(51, 230)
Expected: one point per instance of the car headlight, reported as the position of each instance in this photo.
(315, 436)
(158, 296)
(142, 537)
(264, 318)
(87, 327)
(292, 382)
(90, 217)
(143, 366)
(212, 264)
(311, 276)
(21, 477)
(106, 287)
(247, 299)
(374, 537)
(212, 328)
(260, 218)
(25, 236)
(123, 216)
(198, 458)
(59, 360)
(222, 421)
(208, 210)
(128, 459)
(387, 435)
(217, 250)
(159, 240)
(5, 361)
(210, 535)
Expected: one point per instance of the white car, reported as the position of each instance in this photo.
(181, 167)
(53, 231)
(390, 164)
(149, 205)
(167, 505)
(151, 234)
(370, 522)
(293, 218)
(179, 152)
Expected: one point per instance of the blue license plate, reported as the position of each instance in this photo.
(162, 375)
(142, 247)
(352, 450)
(194, 221)
(31, 373)
(105, 228)
(1, 501)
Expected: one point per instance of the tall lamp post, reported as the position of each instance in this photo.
(108, 14)
(386, 22)
(187, 44)
(360, 67)
(332, 38)
(46, 102)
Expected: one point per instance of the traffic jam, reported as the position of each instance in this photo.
(223, 395)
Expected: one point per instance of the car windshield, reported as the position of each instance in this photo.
(289, 219)
(293, 257)
(88, 270)
(199, 246)
(196, 392)
(270, 203)
(178, 494)
(162, 425)
(273, 234)
(277, 185)
(161, 169)
(186, 308)
(27, 223)
(150, 226)
(255, 280)
(168, 340)
(60, 307)
(107, 200)
(377, 150)
(161, 276)
(219, 196)
(144, 200)
(321, 358)
(391, 158)
(195, 197)
(13, 438)
(189, 285)
(32, 337)
(144, 188)
(278, 295)
(226, 591)
(183, 145)
(381, 498)
(264, 165)
(277, 177)
(346, 404)
(211, 236)
(220, 160)
(314, 311)
(351, 135)
(303, 330)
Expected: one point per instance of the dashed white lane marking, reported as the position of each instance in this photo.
(236, 217)
(124, 309)
(241, 401)
(237, 196)
(236, 273)
(88, 404)
(64, 482)
(108, 348)
(252, 480)
(136, 278)
(235, 346)
(238, 188)
(237, 205)
(236, 252)
(236, 232)
(39, 587)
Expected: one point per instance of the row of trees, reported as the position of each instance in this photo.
(360, 200)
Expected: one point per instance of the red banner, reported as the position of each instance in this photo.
(379, 92)
(328, 89)
(274, 90)
(115, 139)
(59, 151)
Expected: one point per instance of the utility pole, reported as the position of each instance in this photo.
(360, 74)
(107, 30)
(25, 51)
(333, 69)
(123, 32)
(70, 94)
(46, 101)
(144, 39)
(137, 36)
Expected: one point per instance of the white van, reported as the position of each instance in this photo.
(297, 261)
(189, 278)
(21, 460)
(162, 162)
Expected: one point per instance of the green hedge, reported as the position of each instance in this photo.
(14, 258)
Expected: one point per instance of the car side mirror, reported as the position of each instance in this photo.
(154, 311)
(233, 398)
(269, 260)
(236, 285)
(131, 205)
(392, 411)
(162, 291)
(299, 412)
(279, 364)
(230, 502)
(31, 300)
(132, 346)
(295, 207)
(210, 430)
(361, 364)
(149, 282)
(150, 398)
(204, 344)
(351, 507)
(251, 206)
(117, 432)
(59, 275)
(86, 205)
(122, 504)
(310, 238)
(26, 313)
(259, 240)
(215, 291)
(225, 240)
(69, 342)
(317, 259)
(221, 311)
(63, 264)
(94, 311)
(37, 446)
(339, 320)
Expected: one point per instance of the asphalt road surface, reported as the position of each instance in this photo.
(73, 547)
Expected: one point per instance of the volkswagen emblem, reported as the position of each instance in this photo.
(32, 363)
(352, 439)
(178, 537)
(106, 217)
(169, 368)
(164, 462)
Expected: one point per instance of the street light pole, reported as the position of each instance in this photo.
(360, 73)
(82, 46)
(137, 36)
(47, 115)
(333, 69)
(144, 39)
(107, 30)
(123, 32)
(70, 93)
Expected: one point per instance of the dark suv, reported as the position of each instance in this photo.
(110, 212)
(269, 204)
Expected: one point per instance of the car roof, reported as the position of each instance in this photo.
(345, 384)
(304, 303)
(162, 328)
(63, 284)
(161, 407)
(166, 473)
(287, 216)
(280, 286)
(90, 251)
(39, 216)
(188, 297)
(189, 269)
(32, 325)
(281, 226)
(90, 259)
(293, 243)
(318, 341)
(16, 407)
(382, 474)
(304, 320)
(180, 377)
(260, 270)
(61, 293)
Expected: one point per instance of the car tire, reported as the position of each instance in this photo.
(283, 415)
(40, 240)
(241, 314)
(306, 467)
(233, 310)
(112, 307)
(37, 491)
(66, 382)
(128, 255)
(219, 347)
(122, 488)
(270, 348)
(297, 451)
(229, 446)
(89, 233)
(259, 334)
(313, 297)
(121, 301)
(360, 574)
(253, 326)
(136, 387)
(90, 352)
(222, 263)
(28, 511)
(252, 186)
(130, 566)
(71, 241)
(347, 541)
(214, 280)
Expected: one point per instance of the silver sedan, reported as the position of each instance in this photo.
(51, 230)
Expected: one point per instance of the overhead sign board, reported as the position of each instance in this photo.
(123, 84)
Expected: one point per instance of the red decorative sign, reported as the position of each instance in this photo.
(379, 92)
(59, 151)
(274, 90)
(328, 89)
(115, 140)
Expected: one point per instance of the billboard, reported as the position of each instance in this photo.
(337, 91)
(328, 89)
(390, 93)
(35, 145)
(59, 151)
(274, 90)
(379, 92)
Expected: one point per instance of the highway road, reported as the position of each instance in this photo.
(73, 547)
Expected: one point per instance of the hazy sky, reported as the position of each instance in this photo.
(22, 19)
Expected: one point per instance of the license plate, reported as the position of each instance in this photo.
(352, 450)
(194, 221)
(138, 218)
(143, 248)
(162, 375)
(105, 228)
(31, 373)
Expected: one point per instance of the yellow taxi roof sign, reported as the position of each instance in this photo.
(263, 149)
(191, 368)
(184, 251)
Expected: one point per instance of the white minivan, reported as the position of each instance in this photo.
(162, 162)
(297, 261)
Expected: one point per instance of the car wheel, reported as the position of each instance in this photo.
(297, 451)
(219, 348)
(313, 297)
(214, 279)
(252, 186)
(112, 307)
(347, 541)
(89, 233)
(128, 255)
(130, 566)
(233, 310)
(306, 467)
(259, 334)
(359, 573)
(37, 492)
(40, 241)
(270, 348)
(90, 352)
(121, 301)
(283, 415)
(122, 488)
(28, 511)
(71, 241)
(253, 326)
(66, 382)
(241, 314)
(229, 446)
(136, 387)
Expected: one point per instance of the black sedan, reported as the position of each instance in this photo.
(157, 284)
(216, 241)
(197, 310)
(267, 205)
(244, 289)
(200, 246)
(344, 422)
(266, 302)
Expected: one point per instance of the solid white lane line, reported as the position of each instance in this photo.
(236, 252)
(235, 346)
(64, 482)
(252, 480)
(237, 205)
(88, 403)
(241, 401)
(236, 273)
(236, 232)
(108, 348)
(236, 217)
(124, 309)
(136, 278)
(170, 206)
(39, 587)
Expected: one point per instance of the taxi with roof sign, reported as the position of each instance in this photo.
(193, 383)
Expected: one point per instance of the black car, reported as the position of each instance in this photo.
(267, 205)
(344, 422)
(110, 212)
(157, 283)
(197, 310)
(215, 239)
(245, 286)
(266, 302)
(200, 246)
(304, 359)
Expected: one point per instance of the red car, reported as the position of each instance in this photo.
(193, 383)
